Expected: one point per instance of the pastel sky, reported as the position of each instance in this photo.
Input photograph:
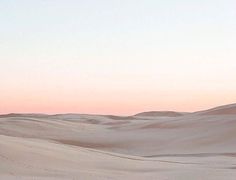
(116, 56)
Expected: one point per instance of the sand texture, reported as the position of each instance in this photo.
(147, 146)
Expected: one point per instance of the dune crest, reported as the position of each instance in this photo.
(220, 110)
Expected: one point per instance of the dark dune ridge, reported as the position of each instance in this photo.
(160, 113)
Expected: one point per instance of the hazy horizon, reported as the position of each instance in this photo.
(163, 110)
(116, 57)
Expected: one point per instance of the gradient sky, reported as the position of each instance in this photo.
(116, 56)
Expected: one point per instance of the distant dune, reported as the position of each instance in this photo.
(160, 113)
(150, 145)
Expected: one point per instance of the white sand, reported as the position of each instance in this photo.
(194, 146)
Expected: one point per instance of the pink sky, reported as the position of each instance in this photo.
(109, 88)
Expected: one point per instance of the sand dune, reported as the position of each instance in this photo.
(200, 145)
(221, 110)
(160, 113)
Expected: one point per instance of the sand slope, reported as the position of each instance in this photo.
(199, 145)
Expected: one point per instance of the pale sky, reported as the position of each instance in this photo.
(116, 56)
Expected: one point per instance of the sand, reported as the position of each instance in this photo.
(158, 146)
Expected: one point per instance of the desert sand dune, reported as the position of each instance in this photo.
(160, 113)
(221, 110)
(199, 145)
